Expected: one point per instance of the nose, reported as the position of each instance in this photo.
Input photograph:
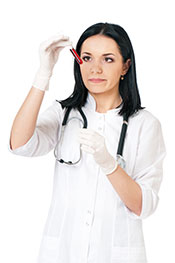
(96, 67)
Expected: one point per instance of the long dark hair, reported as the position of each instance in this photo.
(128, 88)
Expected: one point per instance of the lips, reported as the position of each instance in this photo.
(96, 80)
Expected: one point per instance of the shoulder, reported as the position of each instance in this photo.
(57, 107)
(53, 112)
(144, 120)
(144, 116)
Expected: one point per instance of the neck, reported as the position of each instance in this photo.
(105, 102)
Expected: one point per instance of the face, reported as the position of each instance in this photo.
(102, 64)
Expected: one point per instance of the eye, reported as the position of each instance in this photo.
(109, 59)
(86, 58)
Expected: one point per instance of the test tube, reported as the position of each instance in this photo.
(74, 53)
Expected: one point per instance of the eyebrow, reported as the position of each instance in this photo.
(107, 54)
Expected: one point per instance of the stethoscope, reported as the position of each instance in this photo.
(119, 156)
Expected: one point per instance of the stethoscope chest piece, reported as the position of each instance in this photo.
(121, 161)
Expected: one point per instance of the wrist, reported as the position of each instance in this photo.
(41, 79)
(110, 171)
(110, 168)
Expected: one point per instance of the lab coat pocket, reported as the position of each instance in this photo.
(49, 250)
(128, 255)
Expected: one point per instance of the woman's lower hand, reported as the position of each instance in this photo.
(94, 143)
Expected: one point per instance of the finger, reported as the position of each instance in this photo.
(56, 38)
(87, 139)
(59, 44)
(86, 132)
(86, 142)
(87, 149)
(90, 136)
(52, 40)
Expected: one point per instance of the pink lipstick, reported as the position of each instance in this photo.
(95, 80)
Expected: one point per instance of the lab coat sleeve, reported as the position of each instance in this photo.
(45, 135)
(148, 170)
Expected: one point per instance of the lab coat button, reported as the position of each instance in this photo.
(87, 223)
(89, 212)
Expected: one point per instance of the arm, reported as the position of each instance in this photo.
(139, 192)
(128, 190)
(25, 120)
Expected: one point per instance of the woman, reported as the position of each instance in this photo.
(97, 204)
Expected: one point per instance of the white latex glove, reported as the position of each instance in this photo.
(94, 143)
(49, 52)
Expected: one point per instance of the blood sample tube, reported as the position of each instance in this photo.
(74, 53)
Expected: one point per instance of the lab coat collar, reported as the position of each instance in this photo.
(91, 105)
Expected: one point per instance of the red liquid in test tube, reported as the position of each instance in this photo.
(74, 53)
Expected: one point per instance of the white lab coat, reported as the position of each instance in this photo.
(87, 221)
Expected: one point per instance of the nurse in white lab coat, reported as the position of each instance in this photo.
(97, 207)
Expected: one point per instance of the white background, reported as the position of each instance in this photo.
(26, 183)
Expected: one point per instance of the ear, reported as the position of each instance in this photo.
(126, 66)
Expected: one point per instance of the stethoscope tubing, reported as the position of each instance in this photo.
(119, 155)
(122, 136)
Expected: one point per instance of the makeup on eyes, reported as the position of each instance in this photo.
(87, 54)
(86, 59)
(79, 60)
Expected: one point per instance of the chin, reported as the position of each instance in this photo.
(96, 89)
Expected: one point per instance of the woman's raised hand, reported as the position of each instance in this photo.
(48, 53)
